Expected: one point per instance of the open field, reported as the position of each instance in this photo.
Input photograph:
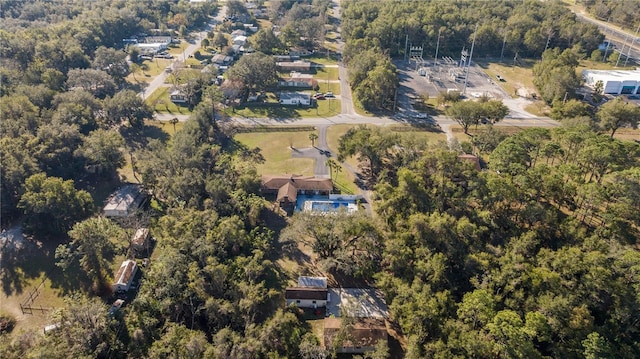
(326, 73)
(514, 76)
(276, 149)
(149, 69)
(160, 102)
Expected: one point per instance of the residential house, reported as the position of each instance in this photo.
(124, 276)
(222, 60)
(285, 58)
(299, 66)
(299, 51)
(295, 98)
(250, 27)
(287, 188)
(474, 160)
(140, 241)
(240, 40)
(124, 201)
(306, 297)
(238, 33)
(178, 96)
(296, 79)
(363, 336)
(165, 40)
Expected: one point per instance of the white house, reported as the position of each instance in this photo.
(240, 40)
(178, 96)
(125, 276)
(306, 297)
(615, 82)
(125, 201)
(295, 98)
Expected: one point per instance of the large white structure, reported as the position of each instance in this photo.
(124, 202)
(615, 82)
(125, 275)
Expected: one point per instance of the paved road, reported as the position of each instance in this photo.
(624, 42)
(162, 77)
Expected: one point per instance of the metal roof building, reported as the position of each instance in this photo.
(615, 82)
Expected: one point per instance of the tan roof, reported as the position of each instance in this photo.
(366, 332)
(306, 293)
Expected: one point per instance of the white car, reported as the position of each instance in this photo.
(422, 115)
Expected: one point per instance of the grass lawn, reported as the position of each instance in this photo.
(181, 76)
(166, 126)
(322, 59)
(599, 65)
(178, 49)
(326, 73)
(149, 69)
(628, 134)
(160, 102)
(275, 147)
(538, 108)
(330, 87)
(515, 76)
(324, 108)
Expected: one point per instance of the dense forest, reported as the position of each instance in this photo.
(622, 13)
(534, 256)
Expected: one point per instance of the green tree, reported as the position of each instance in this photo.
(495, 110)
(466, 113)
(370, 144)
(112, 61)
(266, 42)
(313, 137)
(93, 245)
(616, 114)
(220, 41)
(126, 106)
(98, 82)
(53, 205)
(256, 71)
(102, 150)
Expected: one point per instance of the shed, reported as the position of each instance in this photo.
(124, 276)
(140, 241)
(363, 336)
(306, 297)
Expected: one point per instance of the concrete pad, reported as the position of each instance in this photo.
(356, 302)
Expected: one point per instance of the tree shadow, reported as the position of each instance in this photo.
(138, 138)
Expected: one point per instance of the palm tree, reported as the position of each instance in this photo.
(333, 166)
(173, 121)
(313, 137)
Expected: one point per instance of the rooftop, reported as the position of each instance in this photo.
(126, 271)
(306, 293)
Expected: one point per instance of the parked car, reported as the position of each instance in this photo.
(422, 115)
(329, 95)
(318, 96)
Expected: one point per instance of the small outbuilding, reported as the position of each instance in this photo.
(140, 241)
(124, 276)
(363, 336)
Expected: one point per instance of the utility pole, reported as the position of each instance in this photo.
(406, 44)
(435, 61)
(635, 38)
(504, 42)
(622, 49)
(548, 40)
(466, 76)
(606, 50)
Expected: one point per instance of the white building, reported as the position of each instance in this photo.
(295, 98)
(306, 297)
(615, 82)
(124, 202)
(125, 275)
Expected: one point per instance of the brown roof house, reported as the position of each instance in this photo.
(124, 276)
(306, 297)
(298, 80)
(361, 336)
(287, 188)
